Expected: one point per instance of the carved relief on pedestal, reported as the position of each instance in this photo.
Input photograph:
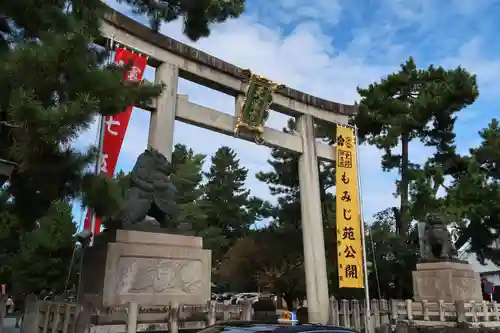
(158, 276)
(426, 282)
(464, 283)
(447, 281)
(464, 287)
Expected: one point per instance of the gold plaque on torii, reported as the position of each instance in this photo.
(254, 109)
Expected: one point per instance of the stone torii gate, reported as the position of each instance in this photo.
(172, 60)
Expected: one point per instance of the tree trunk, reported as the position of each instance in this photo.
(289, 300)
(403, 186)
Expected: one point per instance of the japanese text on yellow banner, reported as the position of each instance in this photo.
(349, 241)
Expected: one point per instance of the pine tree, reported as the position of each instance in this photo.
(44, 256)
(198, 15)
(229, 208)
(414, 104)
(283, 182)
(474, 195)
(105, 195)
(54, 82)
(187, 176)
(391, 257)
(40, 258)
(10, 231)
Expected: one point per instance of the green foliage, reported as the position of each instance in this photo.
(225, 189)
(46, 249)
(10, 231)
(391, 257)
(49, 178)
(94, 187)
(197, 15)
(283, 183)
(415, 104)
(187, 176)
(54, 81)
(229, 208)
(474, 195)
(40, 258)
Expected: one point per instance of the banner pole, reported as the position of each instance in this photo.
(102, 124)
(97, 170)
(101, 129)
(368, 314)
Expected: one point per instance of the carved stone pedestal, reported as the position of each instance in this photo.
(147, 268)
(447, 281)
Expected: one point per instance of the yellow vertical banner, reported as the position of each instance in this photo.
(349, 240)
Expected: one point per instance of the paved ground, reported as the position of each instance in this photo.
(9, 325)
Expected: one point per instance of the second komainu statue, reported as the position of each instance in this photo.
(437, 242)
(151, 192)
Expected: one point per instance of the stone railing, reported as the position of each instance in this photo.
(66, 317)
(351, 313)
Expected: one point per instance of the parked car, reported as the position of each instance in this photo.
(263, 297)
(225, 298)
(243, 296)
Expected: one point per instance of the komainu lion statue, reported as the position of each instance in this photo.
(437, 242)
(151, 191)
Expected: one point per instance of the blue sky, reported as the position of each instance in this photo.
(327, 48)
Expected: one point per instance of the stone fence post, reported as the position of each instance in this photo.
(460, 309)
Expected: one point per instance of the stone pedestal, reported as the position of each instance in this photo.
(447, 281)
(147, 268)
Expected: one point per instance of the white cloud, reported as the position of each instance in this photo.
(292, 11)
(426, 13)
(471, 56)
(309, 59)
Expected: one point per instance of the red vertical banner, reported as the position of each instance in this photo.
(115, 126)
